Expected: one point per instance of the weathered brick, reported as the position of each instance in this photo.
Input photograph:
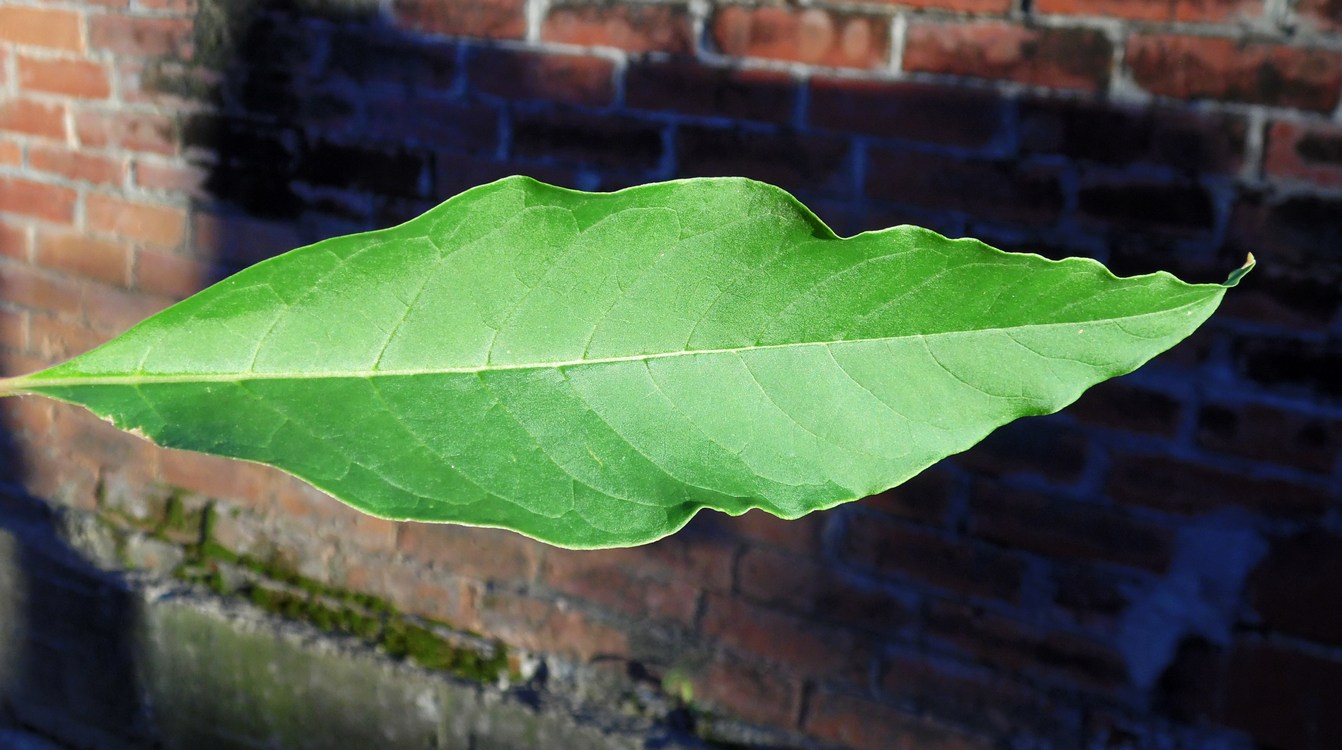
(14, 241)
(388, 171)
(863, 724)
(788, 159)
(1192, 142)
(983, 188)
(173, 177)
(76, 165)
(150, 223)
(1064, 58)
(1301, 439)
(1294, 589)
(215, 477)
(37, 200)
(1170, 485)
(134, 131)
(962, 6)
(469, 127)
(1188, 67)
(169, 275)
(482, 554)
(1003, 643)
(748, 691)
(948, 115)
(13, 332)
(1292, 366)
(71, 252)
(926, 497)
(1095, 595)
(1066, 529)
(77, 78)
(432, 594)
(612, 141)
(974, 698)
(1195, 11)
(142, 36)
(33, 118)
(11, 153)
(1120, 406)
(600, 577)
(236, 241)
(812, 35)
(392, 59)
(1041, 447)
(1280, 697)
(38, 290)
(1179, 208)
(489, 19)
(902, 551)
(111, 310)
(1325, 15)
(634, 28)
(541, 626)
(801, 535)
(1310, 153)
(53, 339)
(784, 640)
(515, 74)
(41, 27)
(1290, 233)
(795, 583)
(693, 88)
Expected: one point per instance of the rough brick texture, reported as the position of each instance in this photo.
(1157, 566)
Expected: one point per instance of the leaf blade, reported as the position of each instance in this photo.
(592, 369)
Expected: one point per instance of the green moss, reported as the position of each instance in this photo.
(428, 649)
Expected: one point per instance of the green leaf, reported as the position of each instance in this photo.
(592, 369)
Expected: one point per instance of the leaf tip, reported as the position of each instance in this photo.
(1241, 272)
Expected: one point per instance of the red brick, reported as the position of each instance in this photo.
(542, 626)
(171, 177)
(1192, 142)
(417, 591)
(1173, 486)
(954, 116)
(481, 554)
(1310, 153)
(78, 78)
(55, 340)
(1295, 230)
(603, 140)
(1188, 67)
(693, 88)
(28, 287)
(41, 27)
(241, 240)
(77, 254)
(1066, 529)
(1284, 698)
(142, 36)
(1062, 58)
(1204, 11)
(796, 584)
(801, 535)
(215, 477)
(1002, 643)
(794, 161)
(960, 6)
(926, 497)
(11, 153)
(975, 698)
(76, 165)
(748, 691)
(863, 724)
(1119, 406)
(784, 640)
(1325, 15)
(1294, 589)
(1159, 206)
(14, 241)
(1039, 447)
(169, 275)
(986, 189)
(513, 74)
(33, 118)
(151, 223)
(13, 330)
(36, 199)
(1300, 439)
(1093, 595)
(135, 131)
(813, 36)
(112, 310)
(490, 19)
(599, 577)
(899, 550)
(635, 28)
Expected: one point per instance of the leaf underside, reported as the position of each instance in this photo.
(592, 369)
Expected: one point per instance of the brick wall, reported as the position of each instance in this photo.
(1157, 567)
